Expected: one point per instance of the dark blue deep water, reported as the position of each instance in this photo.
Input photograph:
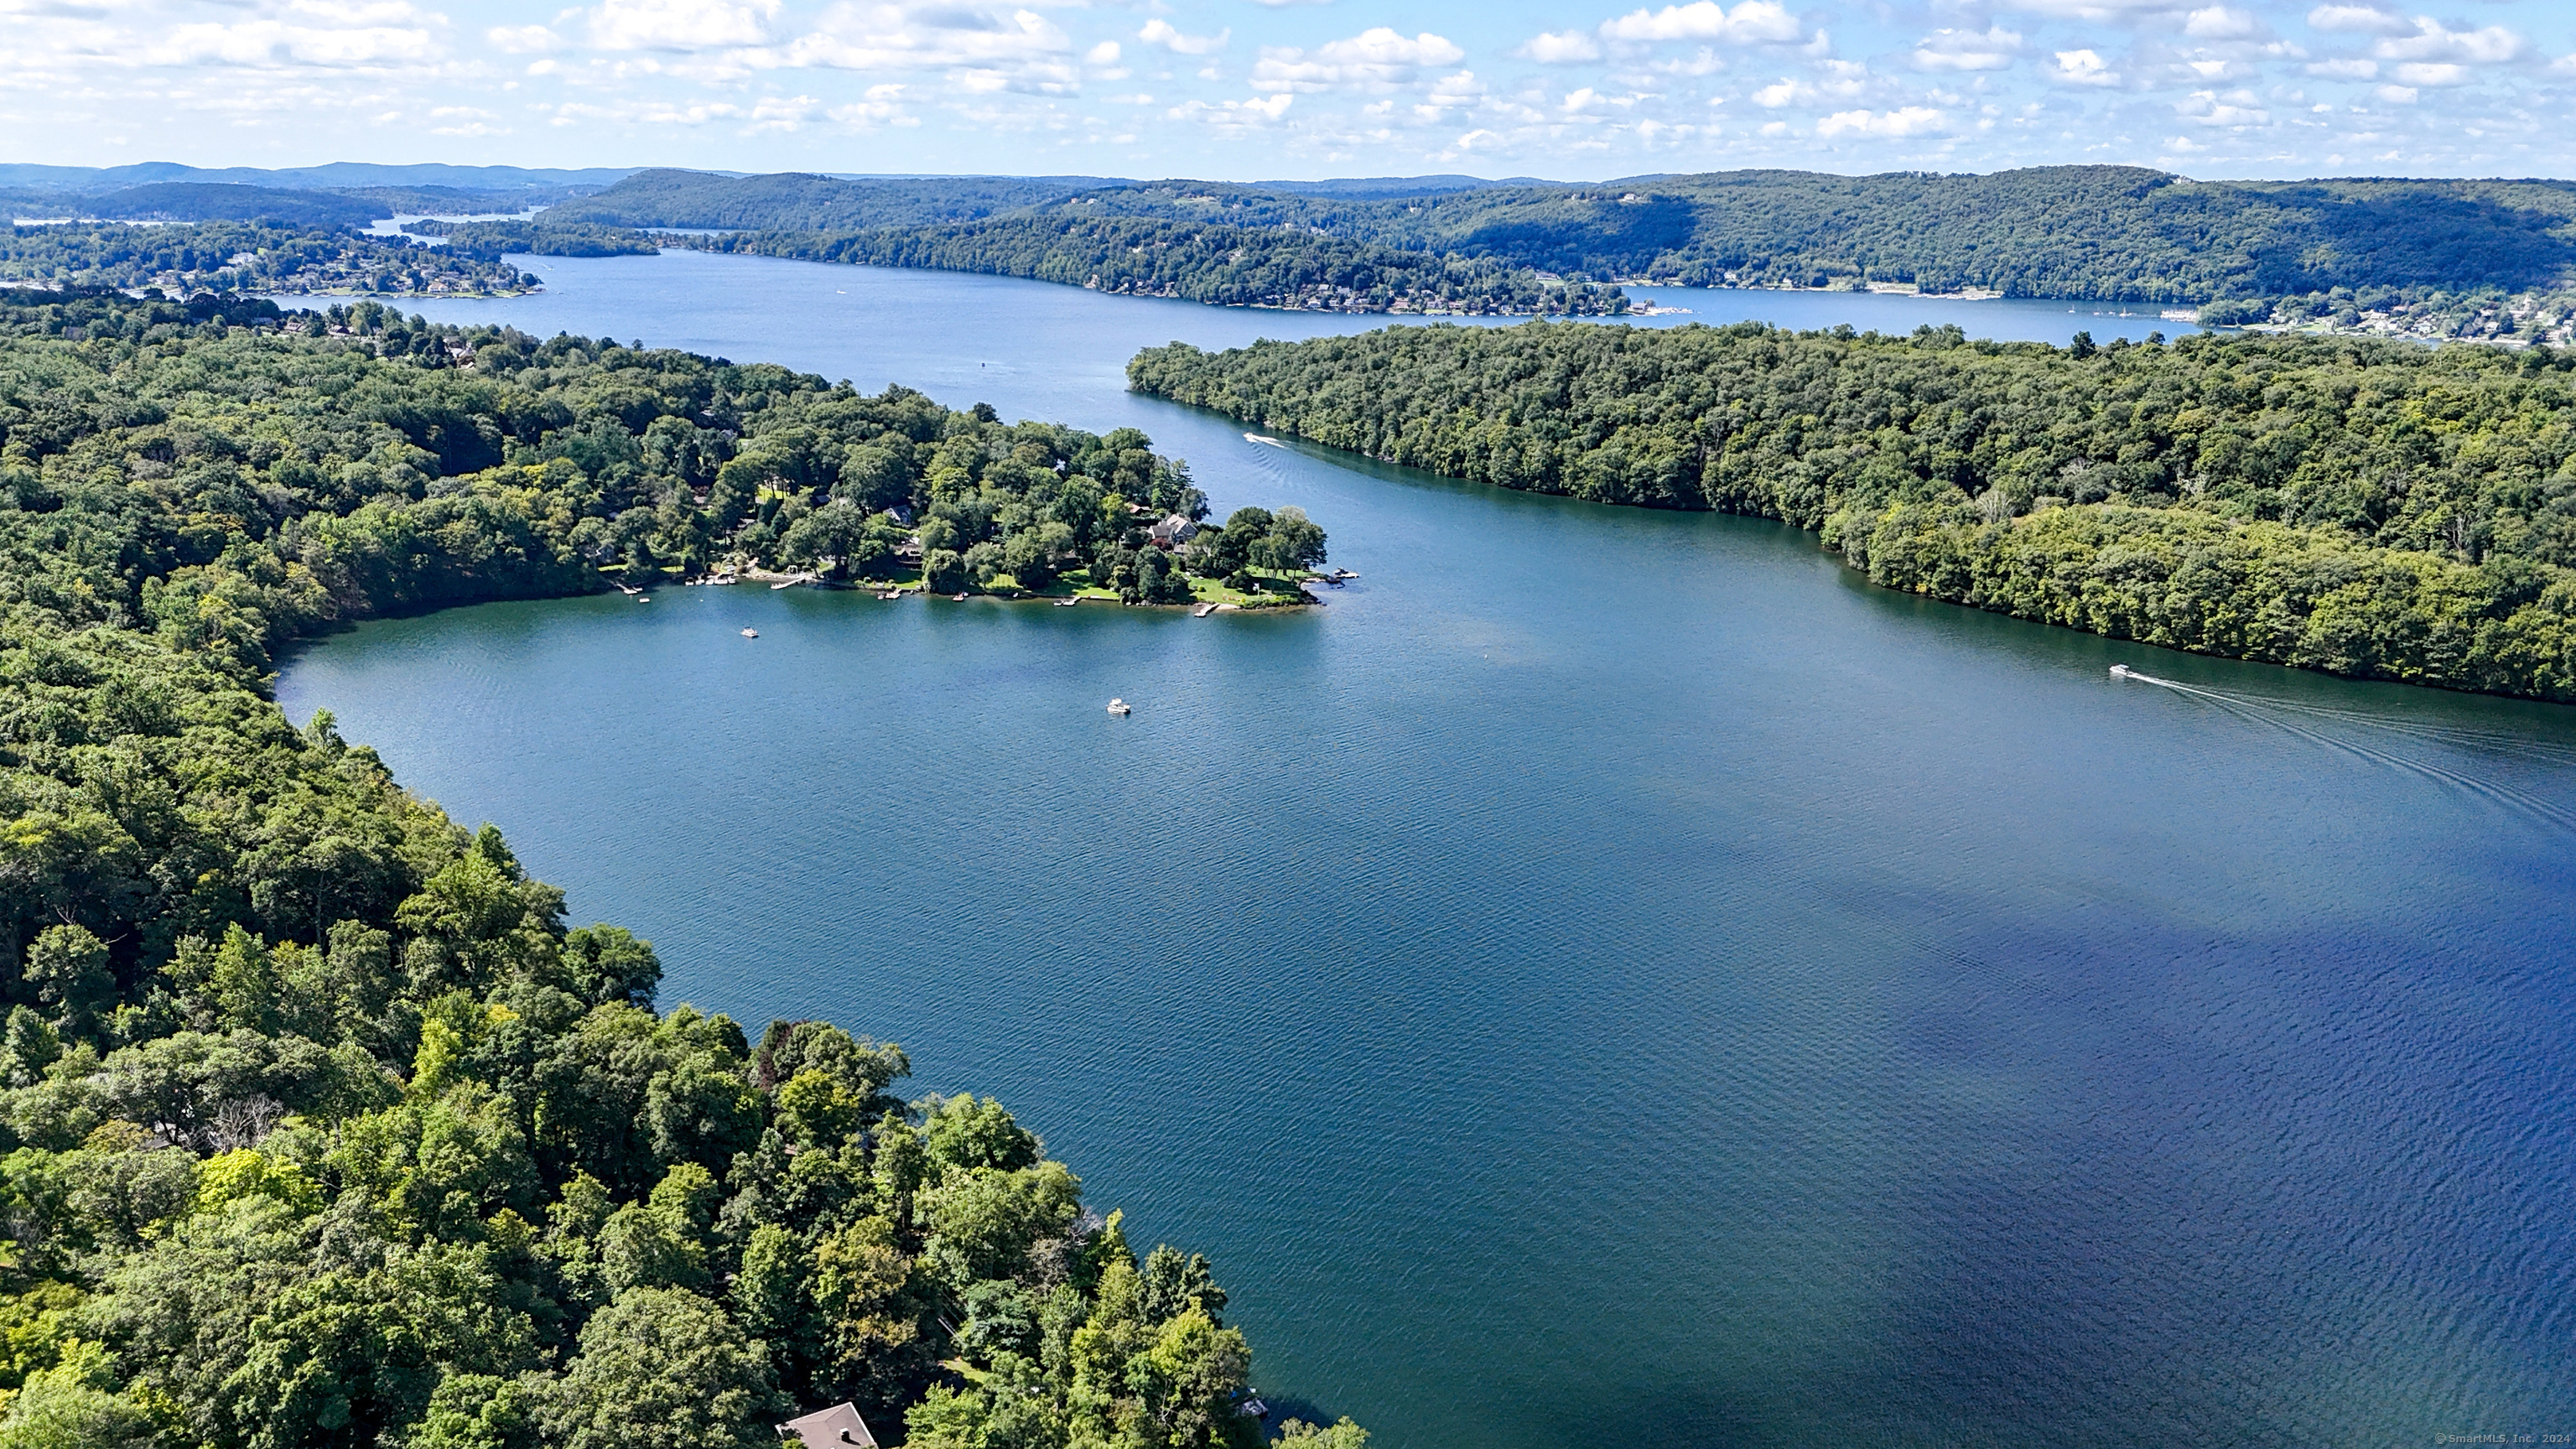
(1609, 978)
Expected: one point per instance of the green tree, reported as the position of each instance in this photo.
(77, 1406)
(1342, 1434)
(69, 969)
(663, 1368)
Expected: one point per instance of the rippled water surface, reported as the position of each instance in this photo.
(1608, 978)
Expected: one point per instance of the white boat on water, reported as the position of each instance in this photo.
(1118, 706)
(2122, 671)
(751, 633)
(1258, 438)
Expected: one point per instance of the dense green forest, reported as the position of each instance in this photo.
(1229, 266)
(2494, 260)
(208, 201)
(319, 1125)
(255, 256)
(491, 240)
(2375, 509)
(350, 206)
(793, 201)
(2110, 233)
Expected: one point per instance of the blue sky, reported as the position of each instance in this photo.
(1250, 89)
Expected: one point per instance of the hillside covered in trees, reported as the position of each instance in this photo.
(2373, 509)
(795, 201)
(254, 256)
(319, 1124)
(2107, 233)
(1226, 266)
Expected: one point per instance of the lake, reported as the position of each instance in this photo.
(1608, 977)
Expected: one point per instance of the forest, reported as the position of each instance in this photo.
(255, 256)
(2372, 509)
(2109, 233)
(1227, 266)
(794, 201)
(2493, 260)
(321, 1124)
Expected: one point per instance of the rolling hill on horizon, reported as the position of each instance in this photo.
(2110, 233)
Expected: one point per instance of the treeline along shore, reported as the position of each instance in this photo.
(319, 1125)
(2372, 509)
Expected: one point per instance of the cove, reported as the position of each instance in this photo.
(1608, 977)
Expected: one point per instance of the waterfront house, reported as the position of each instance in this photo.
(1174, 531)
(837, 1427)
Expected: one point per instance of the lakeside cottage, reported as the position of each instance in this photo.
(1174, 531)
(834, 1428)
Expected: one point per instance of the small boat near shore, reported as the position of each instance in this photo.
(1119, 706)
(1259, 438)
(1067, 603)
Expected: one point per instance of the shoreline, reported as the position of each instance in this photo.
(890, 590)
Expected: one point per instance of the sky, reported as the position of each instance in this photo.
(1290, 89)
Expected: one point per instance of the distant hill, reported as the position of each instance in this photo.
(2108, 232)
(194, 201)
(336, 175)
(1383, 186)
(2096, 233)
(795, 201)
(216, 201)
(2111, 233)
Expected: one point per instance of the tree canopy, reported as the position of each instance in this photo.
(319, 1122)
(2382, 510)
(2109, 233)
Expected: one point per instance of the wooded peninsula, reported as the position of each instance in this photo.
(2372, 509)
(320, 1125)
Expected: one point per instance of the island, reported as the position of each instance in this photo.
(321, 1124)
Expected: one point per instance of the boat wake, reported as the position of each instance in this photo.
(2311, 722)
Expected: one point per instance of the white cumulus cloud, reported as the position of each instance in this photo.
(2366, 19)
(2084, 68)
(2434, 41)
(1910, 121)
(1990, 49)
(1375, 58)
(1562, 47)
(982, 51)
(522, 39)
(1753, 22)
(1170, 37)
(680, 24)
(2217, 22)
(273, 41)
(2235, 108)
(1233, 118)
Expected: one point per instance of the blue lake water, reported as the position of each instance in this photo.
(1608, 978)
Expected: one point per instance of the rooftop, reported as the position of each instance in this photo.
(832, 1428)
